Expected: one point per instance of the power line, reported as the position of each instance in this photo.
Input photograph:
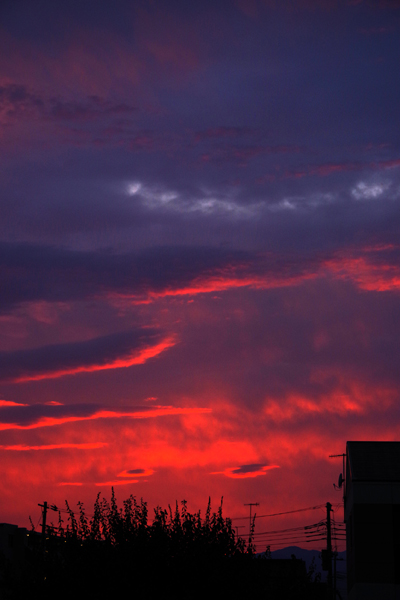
(289, 512)
(292, 537)
(251, 525)
(325, 530)
(301, 528)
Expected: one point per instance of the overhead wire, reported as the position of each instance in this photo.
(301, 534)
(289, 512)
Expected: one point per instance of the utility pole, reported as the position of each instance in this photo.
(45, 507)
(329, 547)
(251, 504)
(44, 513)
(334, 575)
(237, 527)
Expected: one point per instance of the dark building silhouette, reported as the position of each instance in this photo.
(13, 542)
(372, 516)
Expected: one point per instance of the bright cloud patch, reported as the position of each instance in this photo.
(8, 403)
(365, 191)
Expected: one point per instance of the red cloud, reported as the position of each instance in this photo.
(22, 448)
(6, 403)
(357, 265)
(160, 411)
(366, 274)
(220, 283)
(137, 358)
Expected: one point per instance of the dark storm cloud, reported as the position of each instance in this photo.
(94, 354)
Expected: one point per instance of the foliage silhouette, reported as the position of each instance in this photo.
(178, 552)
(118, 552)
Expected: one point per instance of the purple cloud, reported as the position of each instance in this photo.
(101, 353)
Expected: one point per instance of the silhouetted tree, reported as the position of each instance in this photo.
(120, 552)
(179, 553)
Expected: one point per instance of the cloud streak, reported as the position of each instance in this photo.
(44, 273)
(247, 471)
(114, 351)
(41, 415)
(66, 446)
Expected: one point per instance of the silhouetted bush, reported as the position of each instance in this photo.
(178, 553)
(118, 553)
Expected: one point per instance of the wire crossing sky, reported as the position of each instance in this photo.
(199, 249)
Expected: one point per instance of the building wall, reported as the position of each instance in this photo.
(13, 543)
(373, 540)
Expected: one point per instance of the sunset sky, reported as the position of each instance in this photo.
(199, 251)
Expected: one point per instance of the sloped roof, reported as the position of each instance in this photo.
(374, 461)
